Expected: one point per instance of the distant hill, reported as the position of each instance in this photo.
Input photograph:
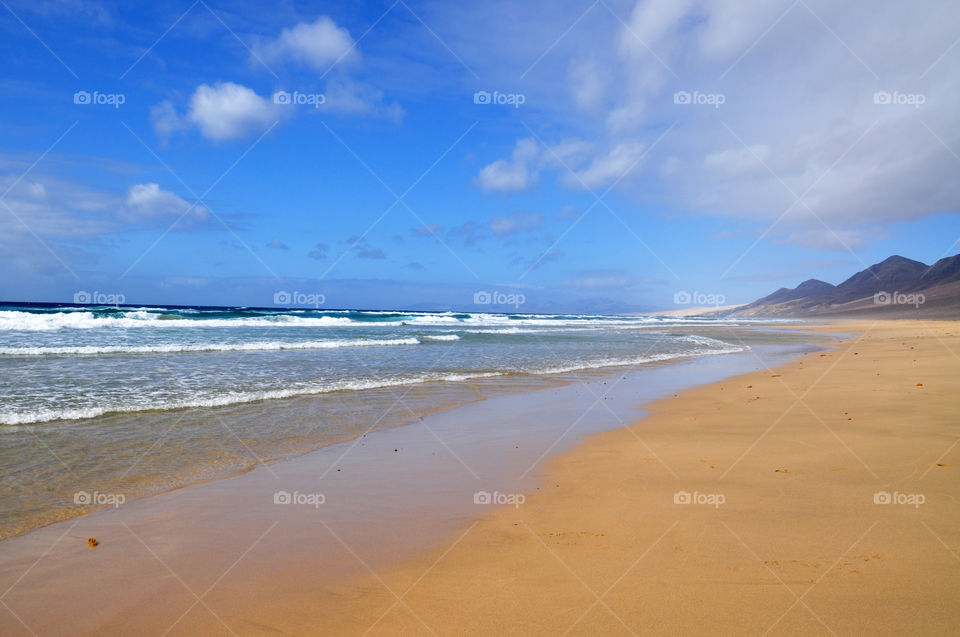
(897, 286)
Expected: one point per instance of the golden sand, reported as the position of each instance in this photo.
(788, 532)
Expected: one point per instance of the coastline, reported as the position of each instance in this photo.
(144, 453)
(599, 546)
(839, 514)
(416, 481)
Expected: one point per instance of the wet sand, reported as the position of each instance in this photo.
(387, 498)
(823, 500)
(754, 505)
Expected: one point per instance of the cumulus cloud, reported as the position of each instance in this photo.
(318, 45)
(276, 244)
(148, 201)
(517, 174)
(227, 111)
(223, 112)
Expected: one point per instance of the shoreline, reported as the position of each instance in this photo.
(781, 519)
(149, 520)
(840, 523)
(416, 401)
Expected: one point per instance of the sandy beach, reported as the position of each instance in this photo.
(418, 318)
(816, 497)
(804, 458)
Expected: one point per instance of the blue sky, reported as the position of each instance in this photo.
(592, 156)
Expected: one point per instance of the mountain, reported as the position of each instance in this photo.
(809, 288)
(896, 286)
(893, 274)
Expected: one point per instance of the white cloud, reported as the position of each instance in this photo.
(74, 220)
(165, 120)
(515, 175)
(223, 112)
(588, 83)
(604, 170)
(146, 201)
(840, 240)
(37, 191)
(227, 111)
(52, 208)
(739, 160)
(798, 116)
(347, 96)
(317, 44)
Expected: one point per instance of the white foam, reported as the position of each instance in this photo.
(92, 350)
(638, 360)
(230, 398)
(30, 321)
(158, 318)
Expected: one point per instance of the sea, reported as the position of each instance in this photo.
(101, 402)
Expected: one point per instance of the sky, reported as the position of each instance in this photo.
(559, 156)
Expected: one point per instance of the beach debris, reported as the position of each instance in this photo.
(92, 542)
(919, 384)
(780, 471)
(749, 386)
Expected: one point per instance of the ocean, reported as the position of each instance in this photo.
(137, 400)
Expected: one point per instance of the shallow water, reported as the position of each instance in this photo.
(140, 400)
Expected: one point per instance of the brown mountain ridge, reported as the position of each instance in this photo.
(896, 287)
